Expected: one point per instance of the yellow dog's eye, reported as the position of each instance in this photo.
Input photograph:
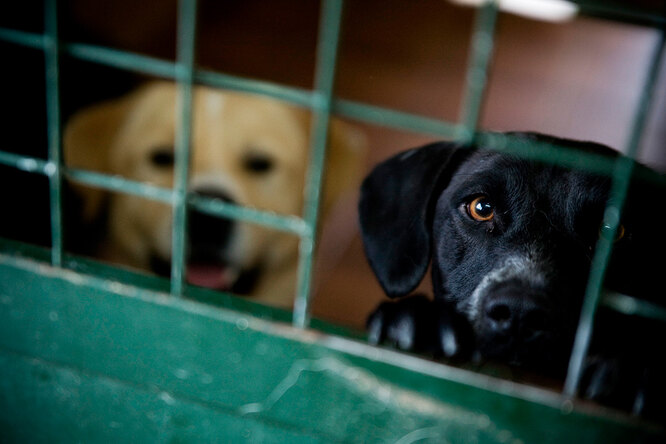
(162, 157)
(258, 163)
(481, 209)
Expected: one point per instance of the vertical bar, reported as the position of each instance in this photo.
(620, 185)
(187, 12)
(53, 168)
(327, 47)
(477, 71)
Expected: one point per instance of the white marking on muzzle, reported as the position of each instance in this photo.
(524, 268)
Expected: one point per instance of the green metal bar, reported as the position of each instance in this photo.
(187, 15)
(54, 167)
(547, 152)
(358, 111)
(327, 48)
(395, 119)
(618, 194)
(167, 69)
(121, 59)
(118, 184)
(477, 72)
(121, 185)
(216, 207)
(296, 96)
(631, 306)
(25, 163)
(29, 39)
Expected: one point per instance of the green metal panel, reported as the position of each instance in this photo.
(48, 403)
(93, 360)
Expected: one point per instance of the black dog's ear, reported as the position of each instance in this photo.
(394, 213)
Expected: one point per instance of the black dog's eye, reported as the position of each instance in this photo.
(619, 234)
(258, 163)
(481, 209)
(162, 156)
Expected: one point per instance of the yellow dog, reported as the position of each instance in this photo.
(246, 149)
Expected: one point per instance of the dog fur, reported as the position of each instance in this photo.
(246, 149)
(508, 288)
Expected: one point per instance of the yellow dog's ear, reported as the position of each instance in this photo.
(345, 162)
(87, 140)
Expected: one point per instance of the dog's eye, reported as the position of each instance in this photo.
(481, 209)
(619, 234)
(258, 163)
(162, 157)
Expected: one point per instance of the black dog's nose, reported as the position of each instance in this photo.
(208, 234)
(514, 313)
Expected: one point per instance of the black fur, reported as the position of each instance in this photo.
(508, 289)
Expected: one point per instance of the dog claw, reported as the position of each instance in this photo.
(455, 336)
(449, 342)
(375, 328)
(602, 376)
(402, 332)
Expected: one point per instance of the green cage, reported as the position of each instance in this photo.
(93, 353)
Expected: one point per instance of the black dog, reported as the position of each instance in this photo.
(511, 243)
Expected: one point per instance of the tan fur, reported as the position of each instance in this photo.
(118, 137)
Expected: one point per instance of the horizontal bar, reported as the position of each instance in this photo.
(167, 69)
(395, 119)
(631, 306)
(121, 59)
(26, 163)
(29, 39)
(287, 223)
(296, 96)
(215, 207)
(385, 117)
(551, 153)
(121, 185)
(162, 68)
(510, 144)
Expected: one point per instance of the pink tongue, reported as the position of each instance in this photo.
(209, 276)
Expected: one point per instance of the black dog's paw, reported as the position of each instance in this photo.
(626, 384)
(601, 380)
(416, 323)
(400, 324)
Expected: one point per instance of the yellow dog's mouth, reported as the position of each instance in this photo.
(214, 275)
